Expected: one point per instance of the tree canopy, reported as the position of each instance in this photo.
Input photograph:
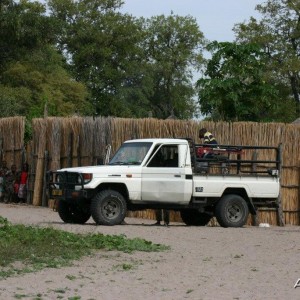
(32, 71)
(86, 57)
(131, 66)
(278, 35)
(235, 88)
(173, 47)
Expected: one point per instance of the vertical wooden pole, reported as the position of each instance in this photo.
(31, 177)
(254, 158)
(1, 148)
(38, 184)
(79, 151)
(238, 165)
(70, 150)
(279, 202)
(253, 169)
(92, 151)
(299, 196)
(14, 151)
(44, 192)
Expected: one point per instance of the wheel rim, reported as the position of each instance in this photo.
(234, 213)
(111, 208)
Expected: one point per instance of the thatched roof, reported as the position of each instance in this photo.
(297, 121)
(171, 117)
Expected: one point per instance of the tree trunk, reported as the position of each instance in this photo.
(295, 89)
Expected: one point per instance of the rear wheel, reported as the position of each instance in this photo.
(72, 213)
(232, 211)
(193, 217)
(108, 208)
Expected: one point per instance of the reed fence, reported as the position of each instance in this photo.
(12, 140)
(79, 141)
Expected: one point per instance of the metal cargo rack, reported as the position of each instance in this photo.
(231, 159)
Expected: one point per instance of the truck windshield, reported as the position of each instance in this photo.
(131, 153)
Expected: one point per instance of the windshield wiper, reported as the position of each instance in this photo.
(118, 163)
(133, 163)
(125, 163)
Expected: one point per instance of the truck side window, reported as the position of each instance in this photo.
(157, 159)
(166, 157)
(172, 162)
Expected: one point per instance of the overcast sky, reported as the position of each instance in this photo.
(216, 18)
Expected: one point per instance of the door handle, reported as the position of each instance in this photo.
(177, 175)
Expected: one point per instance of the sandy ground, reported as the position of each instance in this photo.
(203, 263)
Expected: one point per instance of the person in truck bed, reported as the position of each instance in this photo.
(207, 137)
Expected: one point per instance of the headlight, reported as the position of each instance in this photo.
(73, 178)
(87, 177)
(59, 178)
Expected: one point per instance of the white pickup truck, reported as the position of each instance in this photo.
(200, 181)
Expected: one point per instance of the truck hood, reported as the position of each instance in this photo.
(99, 171)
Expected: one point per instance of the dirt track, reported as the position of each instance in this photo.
(203, 263)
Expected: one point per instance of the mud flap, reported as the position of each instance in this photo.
(252, 208)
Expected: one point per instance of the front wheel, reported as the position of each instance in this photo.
(232, 211)
(72, 213)
(108, 208)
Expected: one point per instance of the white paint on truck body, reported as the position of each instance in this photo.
(174, 184)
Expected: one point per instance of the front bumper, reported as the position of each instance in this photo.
(67, 186)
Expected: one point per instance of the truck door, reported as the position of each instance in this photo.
(163, 176)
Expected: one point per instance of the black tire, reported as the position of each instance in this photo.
(108, 208)
(71, 213)
(232, 211)
(193, 217)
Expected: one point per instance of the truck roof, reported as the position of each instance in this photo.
(159, 140)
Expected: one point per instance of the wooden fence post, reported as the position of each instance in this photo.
(279, 202)
(79, 151)
(1, 148)
(299, 195)
(31, 178)
(253, 169)
(44, 192)
(38, 184)
(70, 150)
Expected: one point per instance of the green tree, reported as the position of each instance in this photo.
(102, 47)
(41, 78)
(173, 48)
(234, 87)
(23, 27)
(278, 33)
(130, 66)
(32, 72)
